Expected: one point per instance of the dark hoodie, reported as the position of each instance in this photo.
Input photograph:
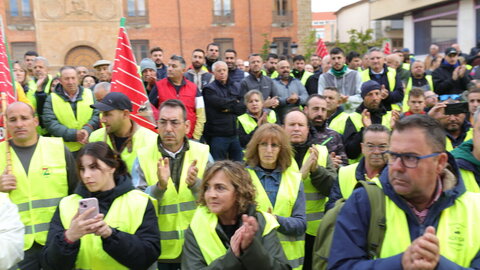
(444, 84)
(466, 160)
(137, 251)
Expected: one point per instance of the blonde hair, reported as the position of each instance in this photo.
(240, 179)
(275, 133)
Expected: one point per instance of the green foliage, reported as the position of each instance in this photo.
(360, 41)
(266, 46)
(309, 44)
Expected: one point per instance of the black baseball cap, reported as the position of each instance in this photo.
(113, 101)
(450, 50)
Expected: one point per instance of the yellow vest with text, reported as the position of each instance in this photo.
(40, 189)
(203, 227)
(293, 246)
(65, 115)
(457, 230)
(314, 201)
(176, 208)
(469, 181)
(338, 123)
(142, 137)
(405, 107)
(448, 143)
(249, 123)
(391, 77)
(356, 119)
(125, 214)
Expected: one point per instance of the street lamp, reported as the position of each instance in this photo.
(273, 47)
(294, 47)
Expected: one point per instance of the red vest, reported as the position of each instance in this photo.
(187, 95)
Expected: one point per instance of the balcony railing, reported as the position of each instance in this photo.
(223, 16)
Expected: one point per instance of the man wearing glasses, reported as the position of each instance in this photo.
(374, 145)
(451, 77)
(427, 207)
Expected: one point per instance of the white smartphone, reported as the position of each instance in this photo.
(87, 203)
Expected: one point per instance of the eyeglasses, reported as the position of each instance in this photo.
(372, 147)
(453, 97)
(174, 123)
(265, 145)
(408, 160)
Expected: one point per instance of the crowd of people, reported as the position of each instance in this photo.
(247, 159)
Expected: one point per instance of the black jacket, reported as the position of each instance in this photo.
(223, 103)
(395, 91)
(137, 251)
(312, 83)
(443, 82)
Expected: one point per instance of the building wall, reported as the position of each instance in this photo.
(385, 8)
(354, 16)
(326, 25)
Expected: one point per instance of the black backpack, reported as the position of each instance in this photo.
(376, 232)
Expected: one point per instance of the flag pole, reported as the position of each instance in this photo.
(7, 145)
(10, 63)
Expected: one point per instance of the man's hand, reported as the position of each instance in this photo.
(384, 93)
(366, 118)
(394, 119)
(8, 182)
(40, 81)
(293, 98)
(438, 111)
(426, 250)
(163, 173)
(343, 99)
(336, 160)
(82, 136)
(192, 174)
(271, 102)
(461, 71)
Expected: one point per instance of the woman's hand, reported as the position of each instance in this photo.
(236, 241)
(81, 226)
(250, 226)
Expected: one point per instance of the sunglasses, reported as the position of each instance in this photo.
(452, 97)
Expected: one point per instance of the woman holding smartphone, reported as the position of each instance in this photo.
(227, 232)
(124, 235)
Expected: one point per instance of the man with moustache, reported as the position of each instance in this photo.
(156, 54)
(199, 74)
(271, 66)
(234, 74)
(426, 207)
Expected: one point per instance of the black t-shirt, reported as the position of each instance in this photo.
(229, 230)
(119, 141)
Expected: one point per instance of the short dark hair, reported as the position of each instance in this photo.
(332, 88)
(416, 92)
(254, 54)
(473, 90)
(31, 53)
(156, 49)
(337, 50)
(213, 44)
(434, 132)
(314, 55)
(375, 128)
(272, 55)
(62, 69)
(312, 96)
(351, 55)
(199, 50)
(231, 51)
(101, 151)
(174, 103)
(298, 58)
(179, 59)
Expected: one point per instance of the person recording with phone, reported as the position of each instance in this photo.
(124, 235)
(227, 231)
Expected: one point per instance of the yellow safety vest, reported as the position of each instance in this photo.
(203, 228)
(142, 137)
(314, 201)
(125, 214)
(457, 230)
(40, 189)
(406, 66)
(176, 208)
(469, 181)
(273, 75)
(405, 106)
(249, 123)
(347, 179)
(391, 77)
(32, 88)
(338, 123)
(293, 246)
(448, 143)
(356, 119)
(304, 78)
(65, 115)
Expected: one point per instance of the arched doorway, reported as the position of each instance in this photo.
(82, 56)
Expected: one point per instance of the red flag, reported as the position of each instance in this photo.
(125, 79)
(386, 48)
(321, 49)
(6, 83)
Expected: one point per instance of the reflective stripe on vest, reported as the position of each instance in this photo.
(40, 190)
(356, 119)
(315, 202)
(249, 123)
(457, 230)
(405, 107)
(142, 137)
(65, 115)
(175, 209)
(470, 181)
(203, 228)
(293, 246)
(125, 214)
(338, 123)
